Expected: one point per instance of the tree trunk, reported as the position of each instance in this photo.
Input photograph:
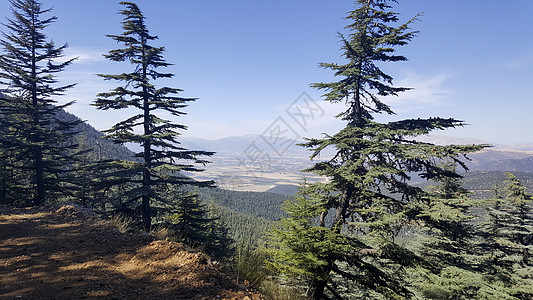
(342, 207)
(146, 213)
(147, 183)
(316, 290)
(39, 178)
(3, 197)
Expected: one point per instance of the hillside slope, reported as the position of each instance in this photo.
(62, 253)
(90, 138)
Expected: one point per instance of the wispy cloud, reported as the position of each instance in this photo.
(87, 86)
(84, 54)
(426, 91)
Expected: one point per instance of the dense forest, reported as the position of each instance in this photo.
(368, 230)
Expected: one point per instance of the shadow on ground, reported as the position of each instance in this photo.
(63, 254)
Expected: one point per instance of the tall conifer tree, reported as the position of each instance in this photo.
(11, 180)
(447, 232)
(161, 156)
(368, 195)
(5, 164)
(508, 240)
(28, 68)
(301, 249)
(446, 243)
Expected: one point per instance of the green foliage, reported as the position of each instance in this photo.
(250, 265)
(40, 154)
(11, 178)
(508, 238)
(298, 247)
(160, 160)
(458, 283)
(262, 205)
(475, 257)
(243, 229)
(446, 231)
(367, 193)
(273, 289)
(444, 241)
(190, 221)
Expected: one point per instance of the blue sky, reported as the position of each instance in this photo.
(247, 61)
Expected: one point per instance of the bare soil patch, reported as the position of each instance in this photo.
(63, 253)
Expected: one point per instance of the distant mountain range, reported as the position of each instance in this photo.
(236, 145)
(282, 174)
(255, 163)
(509, 165)
(240, 149)
(249, 163)
(498, 158)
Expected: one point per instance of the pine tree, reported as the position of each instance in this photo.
(508, 240)
(159, 161)
(446, 243)
(40, 152)
(522, 212)
(445, 215)
(6, 163)
(368, 196)
(297, 247)
(190, 221)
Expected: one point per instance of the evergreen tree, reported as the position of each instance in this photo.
(368, 195)
(446, 243)
(508, 240)
(445, 215)
(297, 247)
(189, 221)
(6, 162)
(161, 153)
(41, 155)
(244, 229)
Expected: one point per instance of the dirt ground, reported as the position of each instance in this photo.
(63, 253)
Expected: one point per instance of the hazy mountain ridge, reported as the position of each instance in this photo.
(510, 165)
(282, 174)
(251, 163)
(497, 158)
(237, 145)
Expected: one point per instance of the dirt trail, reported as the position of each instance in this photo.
(62, 253)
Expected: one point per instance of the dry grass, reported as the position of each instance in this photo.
(64, 254)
